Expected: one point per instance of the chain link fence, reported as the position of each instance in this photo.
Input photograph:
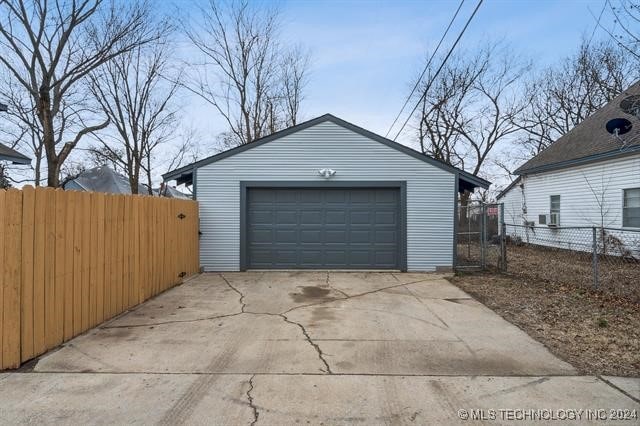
(601, 258)
(478, 235)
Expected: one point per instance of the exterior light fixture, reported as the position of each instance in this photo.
(327, 173)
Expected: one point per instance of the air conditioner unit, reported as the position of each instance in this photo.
(554, 219)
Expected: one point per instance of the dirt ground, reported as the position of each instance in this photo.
(599, 333)
(616, 276)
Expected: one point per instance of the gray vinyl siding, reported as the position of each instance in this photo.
(297, 157)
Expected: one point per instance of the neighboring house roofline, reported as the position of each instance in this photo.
(10, 154)
(617, 153)
(508, 188)
(589, 140)
(184, 174)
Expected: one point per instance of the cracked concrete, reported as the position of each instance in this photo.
(286, 347)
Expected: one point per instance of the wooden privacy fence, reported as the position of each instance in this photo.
(71, 260)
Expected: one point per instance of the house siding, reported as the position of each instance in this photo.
(578, 204)
(297, 157)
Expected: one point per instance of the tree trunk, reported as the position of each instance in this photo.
(134, 177)
(48, 139)
(148, 171)
(37, 168)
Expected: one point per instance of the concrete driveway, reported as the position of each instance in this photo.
(304, 347)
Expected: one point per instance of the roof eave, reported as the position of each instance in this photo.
(15, 159)
(578, 161)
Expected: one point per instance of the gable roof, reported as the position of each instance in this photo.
(589, 141)
(508, 188)
(103, 179)
(185, 174)
(8, 154)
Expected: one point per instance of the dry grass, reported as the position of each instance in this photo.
(597, 332)
(616, 276)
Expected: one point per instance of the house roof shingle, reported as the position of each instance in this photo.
(589, 140)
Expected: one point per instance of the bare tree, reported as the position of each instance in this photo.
(294, 77)
(112, 157)
(625, 28)
(564, 95)
(134, 93)
(471, 107)
(242, 74)
(20, 127)
(49, 48)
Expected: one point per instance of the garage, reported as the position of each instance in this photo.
(324, 227)
(328, 195)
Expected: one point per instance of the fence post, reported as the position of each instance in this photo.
(483, 239)
(503, 248)
(595, 257)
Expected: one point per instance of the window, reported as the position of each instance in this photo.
(554, 217)
(631, 208)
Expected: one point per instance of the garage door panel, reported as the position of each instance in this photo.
(335, 217)
(336, 257)
(385, 257)
(386, 218)
(318, 228)
(310, 196)
(382, 196)
(360, 236)
(286, 196)
(263, 197)
(310, 236)
(360, 217)
(362, 197)
(385, 237)
(310, 217)
(261, 256)
(285, 236)
(258, 235)
(332, 197)
(310, 258)
(286, 217)
(335, 236)
(261, 217)
(287, 257)
(360, 257)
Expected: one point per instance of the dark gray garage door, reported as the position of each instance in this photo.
(341, 228)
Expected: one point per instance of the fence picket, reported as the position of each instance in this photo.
(28, 210)
(68, 266)
(39, 341)
(2, 221)
(12, 278)
(60, 264)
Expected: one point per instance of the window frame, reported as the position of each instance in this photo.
(624, 192)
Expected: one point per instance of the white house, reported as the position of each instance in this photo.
(590, 177)
(326, 194)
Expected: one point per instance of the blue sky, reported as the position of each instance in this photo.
(365, 54)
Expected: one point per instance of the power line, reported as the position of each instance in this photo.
(595, 28)
(425, 68)
(446, 58)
